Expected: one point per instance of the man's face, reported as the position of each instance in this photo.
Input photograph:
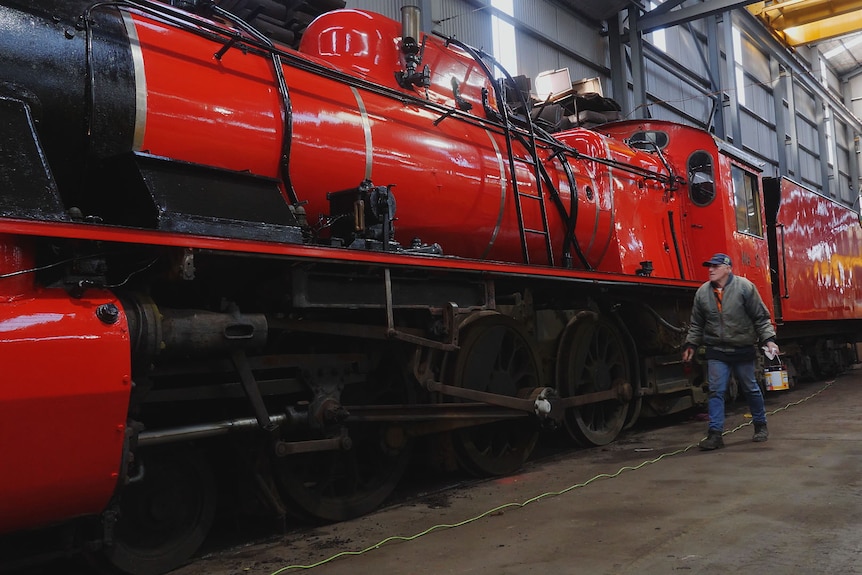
(718, 273)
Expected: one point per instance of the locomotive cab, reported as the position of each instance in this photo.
(719, 202)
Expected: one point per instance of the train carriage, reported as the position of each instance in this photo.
(815, 260)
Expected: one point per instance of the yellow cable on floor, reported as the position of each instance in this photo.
(533, 499)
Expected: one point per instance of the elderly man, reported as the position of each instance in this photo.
(729, 317)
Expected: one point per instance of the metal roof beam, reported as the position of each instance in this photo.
(823, 29)
(664, 7)
(783, 15)
(650, 22)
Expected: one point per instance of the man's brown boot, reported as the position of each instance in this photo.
(712, 441)
(760, 432)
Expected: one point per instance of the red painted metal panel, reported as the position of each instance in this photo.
(200, 109)
(16, 255)
(750, 253)
(820, 256)
(64, 393)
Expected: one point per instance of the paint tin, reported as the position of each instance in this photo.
(776, 378)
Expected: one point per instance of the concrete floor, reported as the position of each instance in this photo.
(651, 503)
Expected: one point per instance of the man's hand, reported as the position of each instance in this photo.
(688, 353)
(771, 349)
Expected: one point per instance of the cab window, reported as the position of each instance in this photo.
(649, 140)
(747, 196)
(701, 181)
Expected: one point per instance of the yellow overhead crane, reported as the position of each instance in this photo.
(799, 22)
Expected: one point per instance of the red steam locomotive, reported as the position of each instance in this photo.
(203, 284)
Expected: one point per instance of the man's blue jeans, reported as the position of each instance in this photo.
(719, 375)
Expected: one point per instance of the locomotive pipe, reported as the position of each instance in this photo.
(675, 244)
(202, 431)
(209, 430)
(663, 321)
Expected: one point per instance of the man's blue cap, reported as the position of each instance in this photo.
(718, 260)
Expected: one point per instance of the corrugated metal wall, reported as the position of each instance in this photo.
(551, 38)
(463, 21)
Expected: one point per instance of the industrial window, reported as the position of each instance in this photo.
(657, 37)
(503, 35)
(701, 181)
(747, 195)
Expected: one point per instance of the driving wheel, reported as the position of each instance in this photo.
(496, 356)
(592, 358)
(165, 516)
(327, 486)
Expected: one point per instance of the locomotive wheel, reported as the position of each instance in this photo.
(634, 412)
(496, 357)
(328, 486)
(592, 358)
(166, 516)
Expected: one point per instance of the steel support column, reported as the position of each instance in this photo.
(719, 126)
(795, 161)
(854, 164)
(640, 107)
(848, 195)
(619, 85)
(825, 144)
(779, 95)
(732, 87)
(822, 151)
